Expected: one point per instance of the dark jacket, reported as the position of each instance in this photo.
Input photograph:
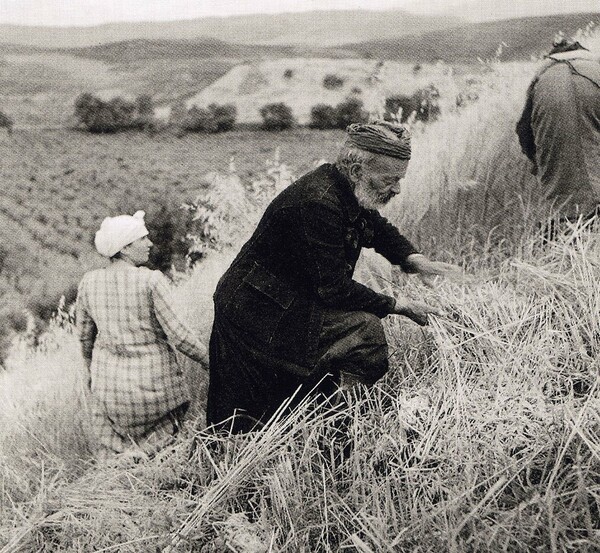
(300, 261)
(559, 130)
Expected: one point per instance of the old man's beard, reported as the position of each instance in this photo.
(370, 198)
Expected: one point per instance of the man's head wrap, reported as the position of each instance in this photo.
(117, 232)
(381, 137)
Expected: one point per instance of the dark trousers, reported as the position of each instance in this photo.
(350, 341)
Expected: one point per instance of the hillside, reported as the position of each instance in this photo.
(57, 186)
(252, 85)
(523, 38)
(323, 28)
(205, 48)
(487, 10)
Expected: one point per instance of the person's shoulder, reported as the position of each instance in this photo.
(92, 275)
(316, 186)
(153, 276)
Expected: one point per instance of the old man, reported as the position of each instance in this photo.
(559, 129)
(288, 313)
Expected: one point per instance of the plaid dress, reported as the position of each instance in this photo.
(128, 330)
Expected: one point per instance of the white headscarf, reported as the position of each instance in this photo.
(117, 232)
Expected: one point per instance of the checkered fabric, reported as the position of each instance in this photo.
(128, 330)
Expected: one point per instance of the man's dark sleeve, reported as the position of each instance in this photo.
(322, 253)
(524, 129)
(388, 242)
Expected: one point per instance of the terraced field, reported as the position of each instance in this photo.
(57, 186)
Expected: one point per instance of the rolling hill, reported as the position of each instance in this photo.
(203, 48)
(488, 10)
(322, 28)
(523, 38)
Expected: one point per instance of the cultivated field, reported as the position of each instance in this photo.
(58, 186)
(483, 437)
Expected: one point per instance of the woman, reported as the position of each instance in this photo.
(128, 329)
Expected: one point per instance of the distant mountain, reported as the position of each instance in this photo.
(321, 28)
(145, 49)
(523, 38)
(489, 10)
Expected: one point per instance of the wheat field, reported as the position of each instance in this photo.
(484, 436)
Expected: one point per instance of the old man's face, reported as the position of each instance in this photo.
(379, 181)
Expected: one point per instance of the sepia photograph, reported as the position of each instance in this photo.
(299, 276)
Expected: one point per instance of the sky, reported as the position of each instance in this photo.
(95, 12)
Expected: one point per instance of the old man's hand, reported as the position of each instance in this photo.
(416, 311)
(428, 269)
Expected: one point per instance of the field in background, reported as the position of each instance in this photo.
(59, 185)
(39, 89)
(483, 437)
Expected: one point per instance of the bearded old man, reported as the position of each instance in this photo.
(559, 129)
(288, 313)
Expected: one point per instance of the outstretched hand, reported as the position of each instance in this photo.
(428, 270)
(416, 311)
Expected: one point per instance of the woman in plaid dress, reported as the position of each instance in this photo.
(128, 332)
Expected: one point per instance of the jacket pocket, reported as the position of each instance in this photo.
(266, 282)
(259, 303)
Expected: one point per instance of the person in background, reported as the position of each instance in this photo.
(288, 313)
(559, 130)
(129, 332)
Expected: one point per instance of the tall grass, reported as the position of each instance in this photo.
(484, 436)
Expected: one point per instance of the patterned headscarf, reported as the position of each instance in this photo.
(117, 232)
(381, 137)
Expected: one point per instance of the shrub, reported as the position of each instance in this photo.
(199, 120)
(332, 81)
(213, 119)
(350, 111)
(114, 115)
(167, 229)
(288, 74)
(6, 122)
(224, 116)
(427, 100)
(393, 104)
(145, 112)
(277, 117)
(323, 116)
(423, 103)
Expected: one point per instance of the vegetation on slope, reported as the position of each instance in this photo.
(526, 37)
(483, 437)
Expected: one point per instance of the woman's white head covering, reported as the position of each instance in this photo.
(117, 232)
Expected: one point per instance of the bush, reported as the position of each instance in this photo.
(277, 117)
(199, 120)
(167, 229)
(427, 100)
(393, 104)
(213, 119)
(224, 116)
(423, 103)
(6, 122)
(350, 111)
(115, 115)
(323, 116)
(288, 74)
(331, 82)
